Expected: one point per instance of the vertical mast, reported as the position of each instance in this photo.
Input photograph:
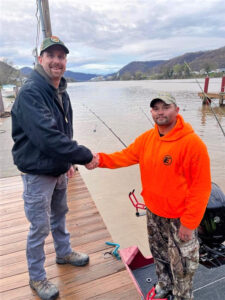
(45, 18)
(44, 12)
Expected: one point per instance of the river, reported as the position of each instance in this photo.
(124, 107)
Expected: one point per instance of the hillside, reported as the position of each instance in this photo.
(77, 76)
(26, 71)
(203, 60)
(215, 58)
(140, 66)
(8, 74)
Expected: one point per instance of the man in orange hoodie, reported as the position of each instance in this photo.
(175, 174)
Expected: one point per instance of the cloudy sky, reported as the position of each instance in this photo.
(105, 35)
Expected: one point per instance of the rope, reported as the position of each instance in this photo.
(37, 31)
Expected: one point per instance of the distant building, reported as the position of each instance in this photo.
(195, 72)
(220, 70)
(202, 72)
(98, 78)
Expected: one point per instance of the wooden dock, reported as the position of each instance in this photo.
(105, 278)
(220, 96)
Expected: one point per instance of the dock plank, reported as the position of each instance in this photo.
(105, 278)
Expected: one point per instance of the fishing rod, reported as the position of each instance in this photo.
(110, 129)
(146, 116)
(207, 98)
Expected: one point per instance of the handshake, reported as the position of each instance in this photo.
(94, 163)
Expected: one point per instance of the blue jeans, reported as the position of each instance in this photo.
(45, 205)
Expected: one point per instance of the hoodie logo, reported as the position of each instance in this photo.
(167, 160)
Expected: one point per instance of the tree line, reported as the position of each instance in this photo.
(177, 71)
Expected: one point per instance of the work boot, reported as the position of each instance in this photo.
(160, 292)
(45, 289)
(74, 258)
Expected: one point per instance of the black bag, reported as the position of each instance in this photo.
(212, 228)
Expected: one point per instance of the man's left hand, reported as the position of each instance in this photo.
(185, 234)
(71, 172)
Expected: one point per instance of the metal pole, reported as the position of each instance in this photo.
(42, 19)
(46, 17)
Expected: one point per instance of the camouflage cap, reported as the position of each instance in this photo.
(52, 41)
(165, 97)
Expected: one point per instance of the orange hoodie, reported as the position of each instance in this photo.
(175, 172)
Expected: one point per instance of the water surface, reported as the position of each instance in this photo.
(124, 107)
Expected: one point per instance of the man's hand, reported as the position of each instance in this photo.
(71, 172)
(185, 234)
(94, 163)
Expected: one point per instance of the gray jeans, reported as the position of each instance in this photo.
(45, 205)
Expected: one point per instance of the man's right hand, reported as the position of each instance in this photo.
(185, 234)
(94, 163)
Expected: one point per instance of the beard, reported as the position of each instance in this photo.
(162, 121)
(56, 71)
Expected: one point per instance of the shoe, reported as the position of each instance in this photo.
(74, 258)
(160, 292)
(45, 289)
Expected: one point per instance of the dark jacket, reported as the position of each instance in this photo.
(42, 129)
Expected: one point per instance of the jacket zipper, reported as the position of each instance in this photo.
(62, 110)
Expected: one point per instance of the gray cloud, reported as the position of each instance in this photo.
(113, 32)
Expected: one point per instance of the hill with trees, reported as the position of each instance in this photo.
(8, 74)
(184, 66)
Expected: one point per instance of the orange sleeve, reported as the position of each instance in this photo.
(199, 187)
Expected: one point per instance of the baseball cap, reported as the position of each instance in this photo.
(52, 41)
(166, 97)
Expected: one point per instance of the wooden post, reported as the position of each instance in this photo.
(46, 18)
(2, 109)
(223, 84)
(206, 84)
(15, 90)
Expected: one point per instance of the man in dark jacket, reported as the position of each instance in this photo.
(44, 152)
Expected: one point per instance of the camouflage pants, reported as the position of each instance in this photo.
(176, 261)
